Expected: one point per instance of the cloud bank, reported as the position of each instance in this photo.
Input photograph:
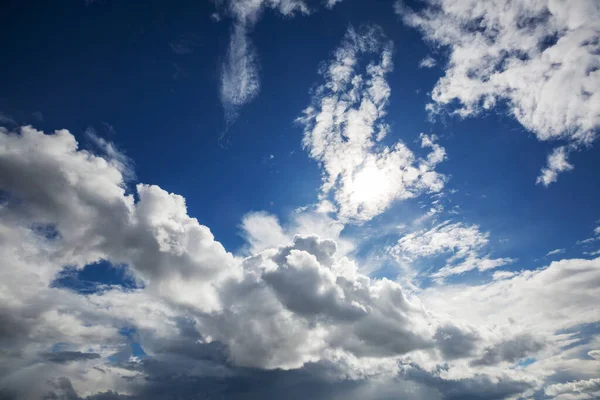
(208, 320)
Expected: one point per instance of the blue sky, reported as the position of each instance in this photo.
(246, 188)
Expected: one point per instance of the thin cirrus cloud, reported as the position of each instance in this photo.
(462, 245)
(240, 78)
(344, 127)
(542, 58)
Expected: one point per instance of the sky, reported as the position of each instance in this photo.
(332, 199)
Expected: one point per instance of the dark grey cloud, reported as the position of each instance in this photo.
(510, 350)
(456, 343)
(477, 387)
(64, 357)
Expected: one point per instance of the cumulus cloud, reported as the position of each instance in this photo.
(541, 58)
(464, 243)
(344, 127)
(315, 306)
(503, 275)
(557, 163)
(293, 311)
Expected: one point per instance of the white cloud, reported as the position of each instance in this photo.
(301, 296)
(457, 238)
(560, 296)
(332, 3)
(541, 57)
(591, 239)
(343, 129)
(427, 62)
(240, 79)
(502, 275)
(557, 163)
(463, 242)
(262, 231)
(470, 263)
(204, 312)
(555, 251)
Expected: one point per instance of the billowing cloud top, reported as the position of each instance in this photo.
(377, 287)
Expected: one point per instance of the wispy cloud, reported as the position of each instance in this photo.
(462, 244)
(240, 80)
(554, 252)
(6, 119)
(344, 129)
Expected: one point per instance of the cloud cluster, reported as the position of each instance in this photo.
(464, 243)
(542, 58)
(209, 321)
(344, 129)
(282, 308)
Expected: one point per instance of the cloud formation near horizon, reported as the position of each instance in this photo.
(225, 312)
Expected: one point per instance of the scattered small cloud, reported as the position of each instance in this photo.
(557, 163)
(38, 116)
(427, 62)
(555, 252)
(6, 119)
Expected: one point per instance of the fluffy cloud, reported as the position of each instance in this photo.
(540, 57)
(464, 242)
(344, 127)
(284, 307)
(208, 321)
